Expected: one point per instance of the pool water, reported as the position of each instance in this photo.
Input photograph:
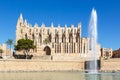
(57, 76)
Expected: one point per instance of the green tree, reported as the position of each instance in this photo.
(25, 45)
(9, 42)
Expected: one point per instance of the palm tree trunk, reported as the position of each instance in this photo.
(26, 54)
(10, 50)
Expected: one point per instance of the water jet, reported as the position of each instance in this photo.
(91, 63)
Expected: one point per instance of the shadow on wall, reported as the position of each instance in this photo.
(23, 56)
(87, 65)
(116, 55)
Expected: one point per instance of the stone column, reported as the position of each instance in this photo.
(86, 46)
(67, 41)
(76, 47)
(73, 45)
(66, 47)
(60, 48)
(74, 41)
(82, 45)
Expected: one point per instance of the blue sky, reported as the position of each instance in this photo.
(63, 12)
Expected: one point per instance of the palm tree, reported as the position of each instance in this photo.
(9, 42)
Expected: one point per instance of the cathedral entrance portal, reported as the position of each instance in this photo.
(47, 50)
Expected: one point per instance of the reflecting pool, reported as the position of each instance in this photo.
(57, 76)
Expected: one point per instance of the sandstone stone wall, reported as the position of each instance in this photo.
(110, 64)
(40, 65)
(37, 65)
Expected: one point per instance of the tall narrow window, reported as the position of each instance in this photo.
(84, 47)
(71, 43)
(57, 43)
(63, 38)
(21, 31)
(48, 31)
(40, 39)
(74, 47)
(77, 37)
(33, 37)
(50, 37)
(56, 38)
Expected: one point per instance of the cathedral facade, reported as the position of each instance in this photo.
(53, 40)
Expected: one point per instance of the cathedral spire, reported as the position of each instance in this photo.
(21, 17)
(58, 25)
(43, 25)
(25, 22)
(65, 25)
(79, 25)
(52, 25)
(20, 21)
(72, 26)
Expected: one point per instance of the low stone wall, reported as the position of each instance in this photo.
(110, 64)
(37, 65)
(40, 65)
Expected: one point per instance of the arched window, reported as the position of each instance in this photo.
(63, 38)
(56, 38)
(36, 30)
(48, 31)
(30, 31)
(57, 45)
(21, 31)
(70, 38)
(33, 36)
(50, 37)
(77, 37)
(71, 43)
(40, 38)
(74, 31)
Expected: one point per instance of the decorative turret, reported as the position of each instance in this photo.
(18, 28)
(21, 17)
(72, 26)
(36, 25)
(52, 25)
(43, 25)
(20, 21)
(58, 25)
(79, 25)
(25, 23)
(65, 26)
(79, 28)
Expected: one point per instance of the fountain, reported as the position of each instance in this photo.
(92, 58)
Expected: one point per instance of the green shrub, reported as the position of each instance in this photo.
(1, 57)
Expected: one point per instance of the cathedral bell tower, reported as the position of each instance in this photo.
(18, 27)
